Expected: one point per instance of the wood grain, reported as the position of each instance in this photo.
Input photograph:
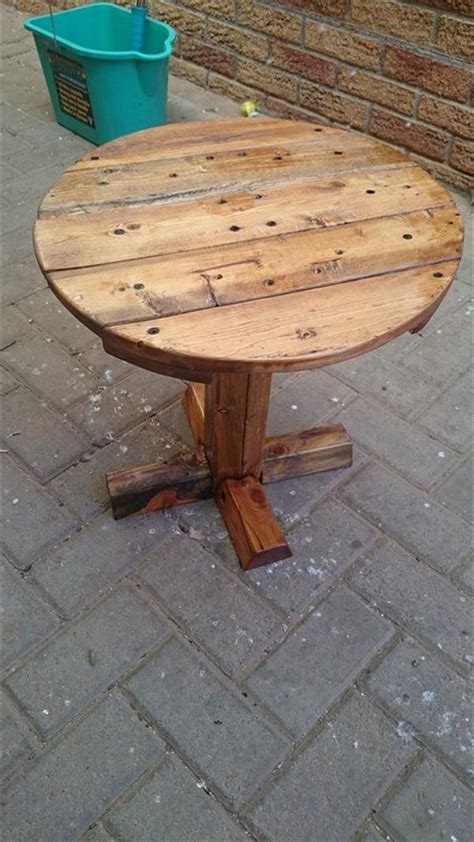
(194, 399)
(309, 452)
(255, 532)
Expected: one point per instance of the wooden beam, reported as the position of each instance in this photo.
(193, 405)
(255, 532)
(309, 452)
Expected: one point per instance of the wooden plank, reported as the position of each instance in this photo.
(309, 452)
(201, 137)
(263, 268)
(235, 418)
(297, 330)
(255, 532)
(87, 239)
(193, 403)
(184, 479)
(176, 178)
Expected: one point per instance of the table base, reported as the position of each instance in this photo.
(232, 462)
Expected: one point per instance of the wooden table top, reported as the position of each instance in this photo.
(247, 245)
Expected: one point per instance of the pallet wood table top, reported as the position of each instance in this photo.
(247, 245)
(223, 251)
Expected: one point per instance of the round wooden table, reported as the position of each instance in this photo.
(222, 251)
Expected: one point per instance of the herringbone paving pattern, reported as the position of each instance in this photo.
(152, 690)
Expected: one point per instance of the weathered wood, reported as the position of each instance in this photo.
(255, 532)
(184, 479)
(295, 331)
(193, 403)
(308, 452)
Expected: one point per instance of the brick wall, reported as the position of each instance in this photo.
(396, 70)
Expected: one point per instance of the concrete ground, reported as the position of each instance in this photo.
(152, 690)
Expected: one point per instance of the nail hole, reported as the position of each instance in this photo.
(407, 186)
(277, 157)
(338, 152)
(218, 277)
(437, 274)
(119, 231)
(173, 175)
(407, 237)
(258, 196)
(153, 330)
(317, 130)
(103, 182)
(94, 157)
(108, 170)
(268, 283)
(209, 157)
(271, 223)
(339, 251)
(222, 202)
(370, 191)
(139, 286)
(122, 289)
(241, 154)
(234, 228)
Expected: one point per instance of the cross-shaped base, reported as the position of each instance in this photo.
(232, 462)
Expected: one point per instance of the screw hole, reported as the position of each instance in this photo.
(268, 283)
(277, 157)
(437, 274)
(370, 191)
(407, 237)
(209, 157)
(153, 330)
(234, 228)
(241, 154)
(94, 157)
(122, 289)
(339, 251)
(271, 223)
(218, 277)
(317, 130)
(338, 152)
(119, 231)
(173, 175)
(139, 286)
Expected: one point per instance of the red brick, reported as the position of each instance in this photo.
(240, 40)
(292, 112)
(266, 79)
(445, 173)
(183, 21)
(221, 8)
(438, 77)
(360, 83)
(328, 8)
(284, 25)
(234, 90)
(461, 7)
(355, 49)
(428, 142)
(335, 106)
(188, 70)
(455, 37)
(462, 156)
(388, 17)
(304, 64)
(447, 115)
(207, 56)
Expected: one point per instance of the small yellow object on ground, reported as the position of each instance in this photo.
(248, 109)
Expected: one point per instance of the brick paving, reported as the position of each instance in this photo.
(154, 691)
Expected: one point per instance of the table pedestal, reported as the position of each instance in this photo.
(232, 462)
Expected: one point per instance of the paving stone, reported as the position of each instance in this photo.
(449, 417)
(83, 487)
(16, 247)
(426, 604)
(174, 419)
(85, 659)
(46, 311)
(424, 527)
(402, 391)
(373, 834)
(32, 521)
(17, 742)
(13, 326)
(64, 150)
(173, 802)
(465, 575)
(7, 382)
(112, 410)
(324, 545)
(305, 401)
(330, 787)
(26, 619)
(215, 608)
(97, 834)
(23, 276)
(49, 370)
(107, 368)
(319, 660)
(94, 559)
(401, 444)
(84, 773)
(47, 443)
(432, 804)
(17, 215)
(444, 354)
(457, 491)
(428, 699)
(233, 749)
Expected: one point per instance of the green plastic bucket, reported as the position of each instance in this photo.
(99, 87)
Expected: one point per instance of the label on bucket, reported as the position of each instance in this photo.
(71, 87)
